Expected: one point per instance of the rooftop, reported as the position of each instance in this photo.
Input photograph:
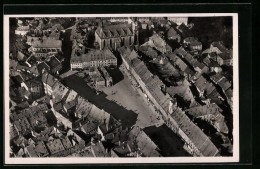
(47, 43)
(55, 146)
(94, 55)
(112, 31)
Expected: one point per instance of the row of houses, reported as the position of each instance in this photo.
(198, 142)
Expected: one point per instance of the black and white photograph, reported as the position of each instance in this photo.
(121, 88)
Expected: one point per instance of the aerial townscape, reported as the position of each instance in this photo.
(120, 87)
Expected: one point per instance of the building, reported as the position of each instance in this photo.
(173, 35)
(159, 44)
(55, 146)
(225, 58)
(54, 64)
(179, 20)
(37, 150)
(70, 106)
(48, 82)
(115, 36)
(22, 30)
(98, 150)
(94, 58)
(35, 87)
(219, 53)
(89, 128)
(22, 126)
(210, 113)
(192, 44)
(96, 78)
(199, 144)
(43, 46)
(119, 19)
(183, 91)
(106, 76)
(146, 147)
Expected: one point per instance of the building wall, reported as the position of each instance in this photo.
(94, 63)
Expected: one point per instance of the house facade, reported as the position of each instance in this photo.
(94, 58)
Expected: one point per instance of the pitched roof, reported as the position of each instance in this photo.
(171, 32)
(195, 134)
(99, 150)
(192, 41)
(47, 78)
(70, 104)
(204, 110)
(146, 146)
(203, 84)
(225, 55)
(41, 149)
(113, 31)
(55, 146)
(94, 55)
(47, 43)
(220, 45)
(53, 62)
(88, 127)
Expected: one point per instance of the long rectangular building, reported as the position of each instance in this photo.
(94, 58)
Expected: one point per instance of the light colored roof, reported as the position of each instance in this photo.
(47, 43)
(94, 55)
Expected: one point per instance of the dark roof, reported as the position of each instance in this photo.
(220, 45)
(203, 84)
(225, 55)
(47, 78)
(192, 41)
(54, 62)
(112, 31)
(43, 65)
(41, 149)
(171, 33)
(55, 146)
(88, 127)
(94, 55)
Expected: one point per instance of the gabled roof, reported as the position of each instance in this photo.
(203, 84)
(224, 83)
(53, 62)
(220, 45)
(204, 110)
(55, 146)
(70, 104)
(196, 135)
(47, 43)
(88, 127)
(49, 79)
(114, 31)
(171, 33)
(225, 55)
(99, 150)
(41, 149)
(94, 55)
